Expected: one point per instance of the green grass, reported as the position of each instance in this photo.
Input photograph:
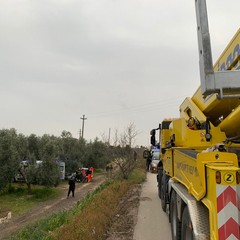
(98, 170)
(18, 201)
(137, 176)
(41, 229)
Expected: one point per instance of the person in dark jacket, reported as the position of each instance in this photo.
(148, 161)
(71, 188)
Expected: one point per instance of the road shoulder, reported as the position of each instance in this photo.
(152, 222)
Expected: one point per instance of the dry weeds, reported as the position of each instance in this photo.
(93, 221)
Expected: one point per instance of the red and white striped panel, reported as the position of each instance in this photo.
(228, 209)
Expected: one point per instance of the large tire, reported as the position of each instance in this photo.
(187, 230)
(159, 179)
(164, 191)
(175, 223)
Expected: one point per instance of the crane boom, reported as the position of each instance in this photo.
(224, 83)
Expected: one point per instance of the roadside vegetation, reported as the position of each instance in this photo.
(91, 216)
(37, 159)
(17, 200)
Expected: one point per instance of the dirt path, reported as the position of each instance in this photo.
(122, 227)
(62, 203)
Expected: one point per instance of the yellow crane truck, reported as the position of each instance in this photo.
(199, 175)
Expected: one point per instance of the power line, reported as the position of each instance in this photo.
(147, 107)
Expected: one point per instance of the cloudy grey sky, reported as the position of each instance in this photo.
(116, 61)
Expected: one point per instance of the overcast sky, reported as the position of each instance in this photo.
(116, 61)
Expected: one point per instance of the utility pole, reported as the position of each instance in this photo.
(83, 118)
(80, 134)
(109, 134)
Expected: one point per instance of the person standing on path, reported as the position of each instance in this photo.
(71, 184)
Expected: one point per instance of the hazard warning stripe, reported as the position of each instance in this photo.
(230, 211)
(230, 228)
(228, 202)
(228, 195)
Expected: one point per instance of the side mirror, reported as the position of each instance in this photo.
(153, 139)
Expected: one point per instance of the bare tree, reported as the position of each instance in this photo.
(104, 138)
(130, 135)
(122, 151)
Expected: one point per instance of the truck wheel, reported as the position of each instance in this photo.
(164, 191)
(187, 230)
(175, 223)
(159, 178)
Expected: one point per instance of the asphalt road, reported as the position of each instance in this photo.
(152, 222)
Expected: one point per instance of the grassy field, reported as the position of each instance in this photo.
(17, 201)
(90, 217)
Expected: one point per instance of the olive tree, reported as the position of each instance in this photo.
(9, 157)
(48, 169)
(71, 151)
(96, 154)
